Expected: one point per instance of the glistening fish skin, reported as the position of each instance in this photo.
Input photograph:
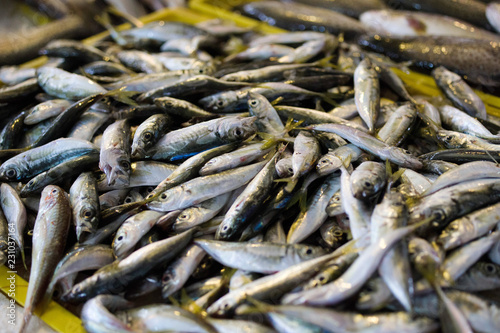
(476, 59)
(49, 240)
(114, 159)
(85, 203)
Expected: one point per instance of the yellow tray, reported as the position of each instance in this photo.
(417, 83)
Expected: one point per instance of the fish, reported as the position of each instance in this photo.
(49, 239)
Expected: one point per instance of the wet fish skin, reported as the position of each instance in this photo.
(459, 92)
(114, 277)
(476, 59)
(148, 133)
(367, 92)
(97, 314)
(114, 158)
(49, 240)
(85, 203)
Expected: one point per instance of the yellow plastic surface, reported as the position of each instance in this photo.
(417, 83)
(56, 316)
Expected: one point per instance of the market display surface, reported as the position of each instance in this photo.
(191, 174)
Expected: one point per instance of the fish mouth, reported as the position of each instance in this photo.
(118, 177)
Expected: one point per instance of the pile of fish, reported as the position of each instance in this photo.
(212, 179)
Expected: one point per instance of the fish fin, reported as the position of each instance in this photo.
(277, 100)
(325, 62)
(189, 304)
(292, 124)
(123, 96)
(346, 161)
(105, 21)
(258, 307)
(134, 21)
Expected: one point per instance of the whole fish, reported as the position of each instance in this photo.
(409, 23)
(459, 92)
(201, 136)
(451, 52)
(120, 273)
(367, 92)
(15, 214)
(85, 203)
(62, 84)
(36, 160)
(203, 188)
(295, 16)
(114, 158)
(260, 257)
(49, 240)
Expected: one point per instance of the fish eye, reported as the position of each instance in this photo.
(30, 183)
(449, 138)
(11, 173)
(338, 233)
(128, 200)
(220, 103)
(290, 170)
(163, 196)
(490, 268)
(147, 136)
(125, 165)
(183, 216)
(254, 102)
(54, 190)
(322, 278)
(439, 215)
(368, 184)
(238, 132)
(87, 213)
(309, 251)
(120, 238)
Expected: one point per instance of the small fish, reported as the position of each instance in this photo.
(114, 158)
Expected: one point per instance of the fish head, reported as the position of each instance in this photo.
(284, 168)
(328, 164)
(188, 216)
(225, 231)
(210, 166)
(335, 237)
(121, 244)
(53, 193)
(86, 220)
(406, 158)
(222, 307)
(255, 102)
(236, 128)
(166, 199)
(451, 140)
(454, 232)
(119, 174)
(309, 252)
(11, 171)
(219, 101)
(489, 271)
